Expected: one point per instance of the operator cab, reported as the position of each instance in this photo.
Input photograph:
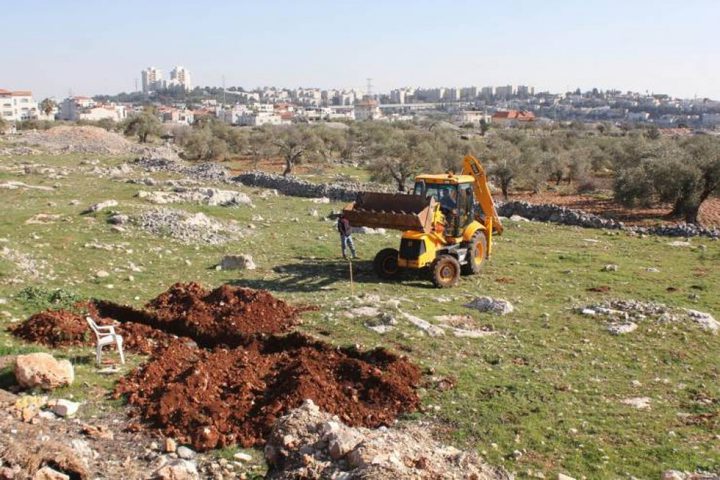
(455, 195)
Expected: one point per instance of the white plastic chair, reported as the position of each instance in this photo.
(105, 335)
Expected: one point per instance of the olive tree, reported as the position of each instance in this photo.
(683, 174)
(296, 144)
(143, 125)
(400, 155)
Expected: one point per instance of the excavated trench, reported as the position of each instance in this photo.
(223, 367)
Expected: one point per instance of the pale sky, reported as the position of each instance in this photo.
(53, 47)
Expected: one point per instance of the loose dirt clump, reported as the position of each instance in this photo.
(225, 396)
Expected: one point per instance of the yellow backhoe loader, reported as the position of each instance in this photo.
(448, 223)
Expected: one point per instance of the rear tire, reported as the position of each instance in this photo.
(386, 263)
(477, 249)
(445, 271)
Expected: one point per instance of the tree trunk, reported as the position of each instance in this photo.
(288, 166)
(505, 186)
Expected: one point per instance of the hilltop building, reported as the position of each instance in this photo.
(152, 80)
(180, 77)
(18, 105)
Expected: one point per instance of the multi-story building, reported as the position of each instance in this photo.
(17, 105)
(504, 92)
(85, 108)
(180, 77)
(152, 80)
(487, 92)
(367, 109)
(524, 91)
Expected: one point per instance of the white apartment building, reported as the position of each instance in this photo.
(152, 80)
(17, 105)
(180, 77)
(85, 108)
(474, 117)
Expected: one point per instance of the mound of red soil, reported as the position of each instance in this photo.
(58, 328)
(225, 396)
(224, 316)
(61, 328)
(221, 374)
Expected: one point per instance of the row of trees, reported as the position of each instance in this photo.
(647, 168)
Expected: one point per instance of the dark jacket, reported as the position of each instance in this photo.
(344, 227)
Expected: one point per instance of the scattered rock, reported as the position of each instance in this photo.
(47, 473)
(621, 328)
(705, 320)
(185, 227)
(186, 453)
(610, 267)
(43, 370)
(487, 304)
(238, 262)
(178, 469)
(100, 206)
(324, 447)
(102, 274)
(242, 457)
(203, 196)
(641, 403)
(170, 445)
(427, 327)
(65, 408)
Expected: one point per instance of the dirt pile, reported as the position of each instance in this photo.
(221, 374)
(226, 316)
(58, 328)
(309, 443)
(214, 398)
(66, 139)
(62, 328)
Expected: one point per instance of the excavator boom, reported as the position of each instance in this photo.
(471, 166)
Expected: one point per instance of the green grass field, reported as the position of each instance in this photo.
(542, 395)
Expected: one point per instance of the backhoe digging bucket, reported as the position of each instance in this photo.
(391, 210)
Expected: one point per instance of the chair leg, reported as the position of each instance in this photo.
(120, 351)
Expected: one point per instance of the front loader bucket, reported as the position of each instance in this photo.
(391, 210)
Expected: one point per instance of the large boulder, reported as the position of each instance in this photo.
(43, 370)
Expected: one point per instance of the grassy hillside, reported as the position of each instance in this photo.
(543, 394)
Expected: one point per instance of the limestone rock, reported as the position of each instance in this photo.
(487, 304)
(43, 370)
(65, 408)
(100, 206)
(47, 473)
(237, 262)
(177, 469)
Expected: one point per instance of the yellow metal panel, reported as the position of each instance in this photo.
(470, 230)
(445, 178)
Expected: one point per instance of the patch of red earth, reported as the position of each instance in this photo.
(214, 398)
(709, 212)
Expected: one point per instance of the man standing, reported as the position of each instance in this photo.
(345, 230)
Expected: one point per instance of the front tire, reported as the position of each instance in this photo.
(445, 271)
(386, 263)
(477, 249)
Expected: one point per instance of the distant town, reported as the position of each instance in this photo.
(176, 101)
